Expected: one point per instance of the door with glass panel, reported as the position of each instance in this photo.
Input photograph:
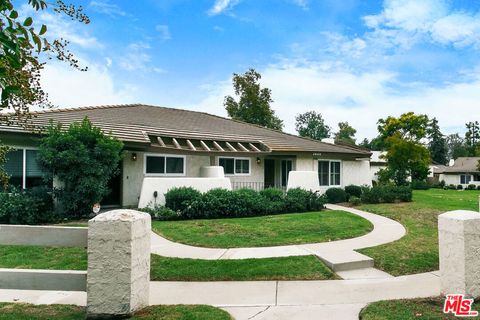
(287, 166)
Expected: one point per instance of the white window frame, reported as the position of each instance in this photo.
(24, 162)
(165, 165)
(330, 172)
(235, 166)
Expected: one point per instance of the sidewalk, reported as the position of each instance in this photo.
(333, 299)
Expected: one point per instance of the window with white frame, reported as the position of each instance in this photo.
(235, 166)
(465, 178)
(329, 172)
(23, 168)
(164, 165)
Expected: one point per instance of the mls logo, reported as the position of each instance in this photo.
(459, 306)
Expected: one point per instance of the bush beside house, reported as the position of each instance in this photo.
(221, 203)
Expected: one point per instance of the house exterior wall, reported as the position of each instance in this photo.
(450, 178)
(134, 172)
(356, 173)
(374, 169)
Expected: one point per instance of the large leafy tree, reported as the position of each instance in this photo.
(376, 144)
(82, 159)
(437, 144)
(472, 138)
(456, 146)
(22, 45)
(253, 105)
(406, 156)
(312, 125)
(346, 133)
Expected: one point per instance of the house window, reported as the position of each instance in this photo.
(287, 166)
(23, 168)
(235, 166)
(465, 178)
(329, 173)
(164, 165)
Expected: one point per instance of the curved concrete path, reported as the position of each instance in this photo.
(339, 255)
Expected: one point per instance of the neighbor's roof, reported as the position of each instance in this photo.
(144, 124)
(465, 164)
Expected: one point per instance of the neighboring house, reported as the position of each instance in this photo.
(172, 143)
(463, 171)
(377, 163)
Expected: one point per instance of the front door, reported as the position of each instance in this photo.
(114, 199)
(269, 173)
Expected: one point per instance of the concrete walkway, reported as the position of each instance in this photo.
(338, 255)
(333, 299)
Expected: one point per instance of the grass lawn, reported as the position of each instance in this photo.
(17, 311)
(431, 308)
(174, 269)
(275, 230)
(287, 268)
(418, 251)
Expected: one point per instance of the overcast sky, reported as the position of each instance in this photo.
(350, 60)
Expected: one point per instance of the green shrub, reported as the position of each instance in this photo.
(459, 187)
(420, 185)
(162, 213)
(478, 187)
(178, 199)
(353, 191)
(274, 200)
(387, 194)
(355, 201)
(451, 187)
(336, 195)
(471, 187)
(250, 202)
(296, 200)
(33, 206)
(83, 159)
(214, 203)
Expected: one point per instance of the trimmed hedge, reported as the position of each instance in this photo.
(336, 195)
(353, 191)
(33, 206)
(420, 185)
(471, 187)
(386, 194)
(178, 199)
(221, 203)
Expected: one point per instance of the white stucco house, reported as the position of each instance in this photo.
(174, 147)
(377, 163)
(463, 171)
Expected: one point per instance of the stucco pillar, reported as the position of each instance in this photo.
(118, 274)
(459, 240)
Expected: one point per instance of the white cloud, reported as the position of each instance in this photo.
(164, 31)
(301, 3)
(359, 98)
(433, 20)
(218, 29)
(68, 87)
(221, 6)
(136, 57)
(61, 27)
(107, 8)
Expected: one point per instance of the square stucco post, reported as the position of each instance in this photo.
(118, 274)
(459, 240)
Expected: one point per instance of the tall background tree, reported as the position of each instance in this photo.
(346, 134)
(312, 125)
(456, 146)
(406, 156)
(23, 43)
(253, 105)
(437, 143)
(472, 138)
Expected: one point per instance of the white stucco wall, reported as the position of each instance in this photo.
(356, 172)
(450, 178)
(133, 174)
(374, 169)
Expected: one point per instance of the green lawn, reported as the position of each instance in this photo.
(427, 309)
(275, 230)
(287, 268)
(174, 269)
(17, 311)
(417, 251)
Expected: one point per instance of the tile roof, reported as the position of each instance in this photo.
(136, 122)
(464, 164)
